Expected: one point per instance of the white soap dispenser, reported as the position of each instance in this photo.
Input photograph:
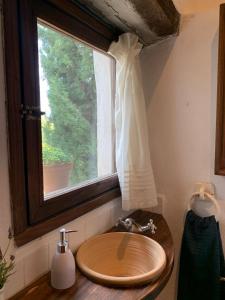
(63, 264)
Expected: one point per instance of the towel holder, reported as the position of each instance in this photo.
(205, 191)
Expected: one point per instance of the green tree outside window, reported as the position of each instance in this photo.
(71, 126)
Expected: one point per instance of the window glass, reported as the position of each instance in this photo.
(76, 96)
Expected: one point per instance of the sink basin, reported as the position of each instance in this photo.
(121, 259)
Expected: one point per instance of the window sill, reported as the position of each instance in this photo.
(38, 230)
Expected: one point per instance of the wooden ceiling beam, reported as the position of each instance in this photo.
(151, 20)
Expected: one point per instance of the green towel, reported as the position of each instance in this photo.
(201, 260)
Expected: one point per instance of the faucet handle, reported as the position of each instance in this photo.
(152, 226)
(127, 223)
(131, 225)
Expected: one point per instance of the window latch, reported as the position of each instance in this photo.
(31, 112)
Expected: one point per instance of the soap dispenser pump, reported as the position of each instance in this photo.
(63, 264)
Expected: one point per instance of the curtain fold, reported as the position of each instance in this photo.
(132, 142)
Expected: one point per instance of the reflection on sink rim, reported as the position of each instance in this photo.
(84, 256)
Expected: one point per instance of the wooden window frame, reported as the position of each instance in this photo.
(220, 119)
(32, 216)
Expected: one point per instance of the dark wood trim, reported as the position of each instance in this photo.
(26, 179)
(42, 228)
(31, 98)
(15, 125)
(68, 200)
(86, 289)
(220, 121)
(69, 18)
(79, 12)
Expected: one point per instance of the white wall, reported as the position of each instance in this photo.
(34, 259)
(180, 78)
(194, 6)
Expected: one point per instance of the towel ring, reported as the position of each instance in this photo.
(202, 196)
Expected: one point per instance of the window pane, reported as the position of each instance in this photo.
(76, 95)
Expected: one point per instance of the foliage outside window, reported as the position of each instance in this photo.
(71, 126)
(69, 97)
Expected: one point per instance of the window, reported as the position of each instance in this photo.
(77, 104)
(60, 84)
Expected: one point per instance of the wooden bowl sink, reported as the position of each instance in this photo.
(121, 259)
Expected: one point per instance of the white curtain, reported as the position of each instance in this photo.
(132, 144)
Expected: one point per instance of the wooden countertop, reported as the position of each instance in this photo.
(84, 289)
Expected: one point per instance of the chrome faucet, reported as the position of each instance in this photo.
(132, 226)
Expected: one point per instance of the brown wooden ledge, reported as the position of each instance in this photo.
(85, 289)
